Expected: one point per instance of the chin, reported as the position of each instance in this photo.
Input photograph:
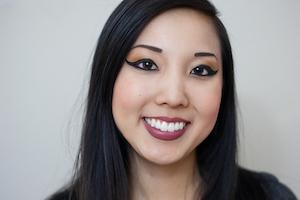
(161, 157)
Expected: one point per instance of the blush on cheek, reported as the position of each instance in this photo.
(210, 103)
(127, 95)
(214, 103)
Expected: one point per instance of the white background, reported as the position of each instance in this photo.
(45, 54)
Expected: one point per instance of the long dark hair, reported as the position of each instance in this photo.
(102, 165)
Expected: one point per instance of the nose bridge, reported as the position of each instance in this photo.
(172, 89)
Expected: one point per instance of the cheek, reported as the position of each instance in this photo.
(124, 94)
(211, 102)
(128, 96)
(206, 107)
(207, 101)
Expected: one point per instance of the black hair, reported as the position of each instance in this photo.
(102, 170)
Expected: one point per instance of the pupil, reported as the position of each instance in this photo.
(199, 69)
(148, 64)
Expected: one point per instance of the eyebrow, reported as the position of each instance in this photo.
(158, 50)
(152, 48)
(205, 54)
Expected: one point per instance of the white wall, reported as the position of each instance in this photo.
(45, 54)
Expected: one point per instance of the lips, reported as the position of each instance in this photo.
(165, 128)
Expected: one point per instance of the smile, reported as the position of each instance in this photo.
(164, 128)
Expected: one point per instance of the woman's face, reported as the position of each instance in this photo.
(167, 95)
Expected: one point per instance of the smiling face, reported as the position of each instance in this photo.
(167, 94)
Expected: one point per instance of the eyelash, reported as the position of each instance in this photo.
(137, 64)
(148, 64)
(205, 70)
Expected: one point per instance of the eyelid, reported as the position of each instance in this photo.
(139, 61)
(209, 70)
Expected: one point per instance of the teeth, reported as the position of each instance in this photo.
(165, 126)
(181, 125)
(171, 127)
(177, 126)
(157, 124)
(152, 123)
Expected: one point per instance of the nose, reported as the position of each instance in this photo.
(171, 91)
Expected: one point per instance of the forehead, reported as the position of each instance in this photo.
(181, 30)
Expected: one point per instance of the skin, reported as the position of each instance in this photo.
(167, 169)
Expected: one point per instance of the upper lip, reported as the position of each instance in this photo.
(169, 119)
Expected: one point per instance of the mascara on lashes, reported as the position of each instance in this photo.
(145, 60)
(208, 69)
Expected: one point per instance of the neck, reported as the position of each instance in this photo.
(151, 181)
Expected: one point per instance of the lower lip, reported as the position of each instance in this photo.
(164, 135)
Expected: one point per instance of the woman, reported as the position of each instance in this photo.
(160, 121)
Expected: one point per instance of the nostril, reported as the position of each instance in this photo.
(172, 98)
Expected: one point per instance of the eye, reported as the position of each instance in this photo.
(203, 70)
(144, 64)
